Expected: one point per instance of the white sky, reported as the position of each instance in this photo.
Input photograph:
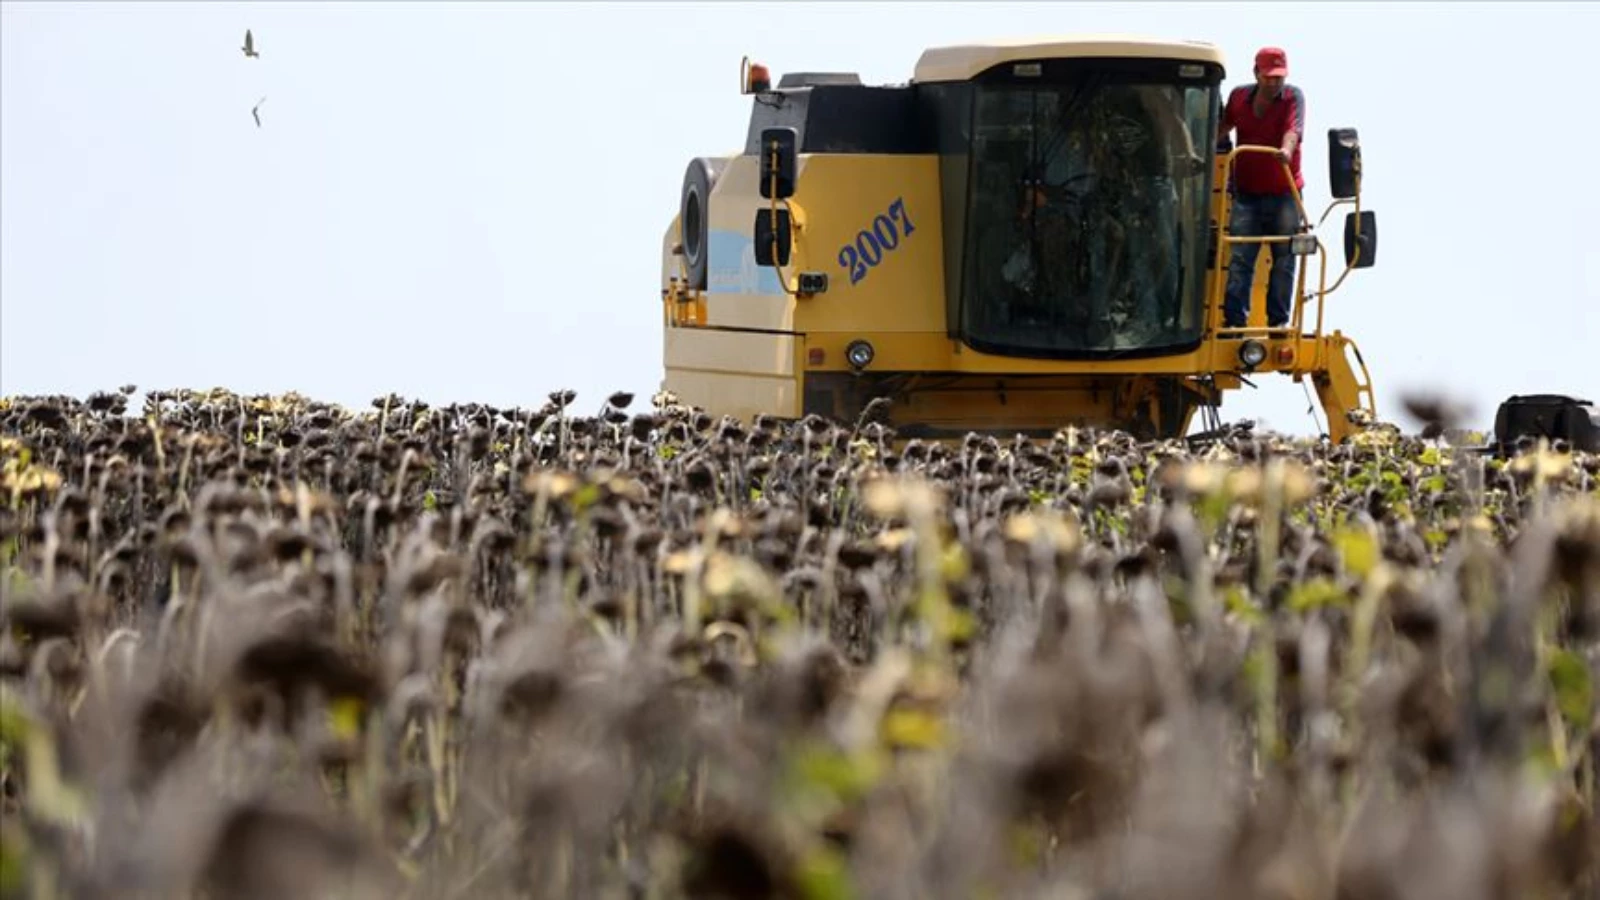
(466, 202)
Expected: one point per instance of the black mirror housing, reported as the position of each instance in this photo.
(772, 225)
(782, 142)
(1361, 251)
(1344, 163)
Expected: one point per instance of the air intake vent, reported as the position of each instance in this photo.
(809, 79)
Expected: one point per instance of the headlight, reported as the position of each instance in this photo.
(1252, 354)
(858, 354)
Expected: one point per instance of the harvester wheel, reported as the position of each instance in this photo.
(694, 216)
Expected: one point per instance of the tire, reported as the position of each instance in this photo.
(694, 211)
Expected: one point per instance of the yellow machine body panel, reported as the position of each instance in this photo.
(842, 195)
(871, 258)
(741, 373)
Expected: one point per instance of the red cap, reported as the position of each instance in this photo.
(1272, 61)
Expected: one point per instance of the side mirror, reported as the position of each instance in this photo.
(1344, 162)
(1361, 239)
(772, 225)
(779, 146)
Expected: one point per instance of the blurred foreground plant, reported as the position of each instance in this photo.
(263, 646)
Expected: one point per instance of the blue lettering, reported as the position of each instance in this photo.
(873, 244)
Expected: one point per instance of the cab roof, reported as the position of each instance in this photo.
(961, 62)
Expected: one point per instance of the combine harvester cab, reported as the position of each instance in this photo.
(1026, 236)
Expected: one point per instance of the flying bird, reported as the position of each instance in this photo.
(255, 111)
(249, 47)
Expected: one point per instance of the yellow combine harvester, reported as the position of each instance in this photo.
(1028, 235)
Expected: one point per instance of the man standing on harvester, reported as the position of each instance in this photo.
(1270, 113)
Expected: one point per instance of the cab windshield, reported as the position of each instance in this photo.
(1086, 227)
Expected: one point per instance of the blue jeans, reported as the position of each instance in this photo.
(1261, 215)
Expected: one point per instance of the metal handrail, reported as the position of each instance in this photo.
(1226, 243)
(1301, 295)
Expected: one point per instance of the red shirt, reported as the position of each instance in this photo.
(1258, 173)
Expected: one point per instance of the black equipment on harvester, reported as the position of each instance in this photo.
(1555, 417)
